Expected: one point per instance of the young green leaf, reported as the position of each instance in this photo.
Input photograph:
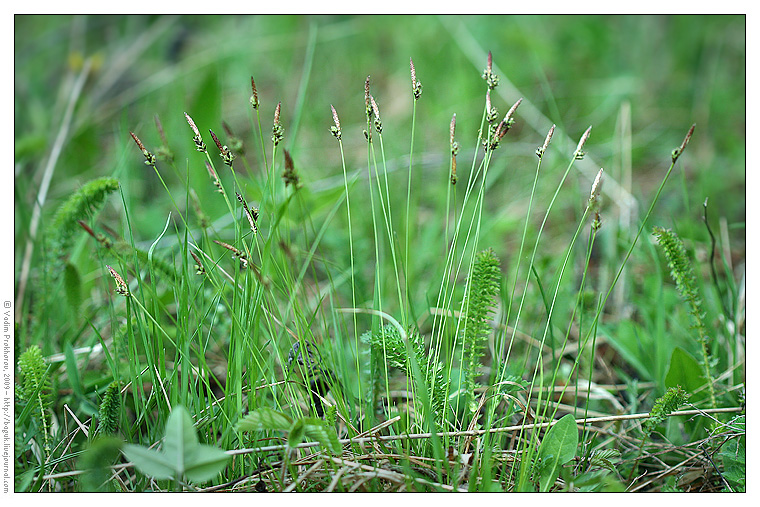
(317, 430)
(204, 462)
(182, 454)
(557, 448)
(265, 419)
(149, 461)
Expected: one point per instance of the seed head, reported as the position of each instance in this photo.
(150, 159)
(677, 152)
(452, 128)
(596, 188)
(579, 153)
(542, 149)
(289, 174)
(509, 117)
(224, 152)
(235, 253)
(335, 129)
(416, 85)
(491, 112)
(597, 223)
(277, 130)
(454, 149)
(199, 269)
(197, 139)
(376, 112)
(254, 95)
(491, 78)
(121, 286)
(367, 105)
(252, 216)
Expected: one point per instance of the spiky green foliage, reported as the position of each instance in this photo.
(110, 410)
(83, 204)
(389, 345)
(482, 289)
(664, 406)
(35, 389)
(682, 273)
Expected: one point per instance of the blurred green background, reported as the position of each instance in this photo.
(650, 76)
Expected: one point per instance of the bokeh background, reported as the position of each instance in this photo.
(652, 76)
(640, 81)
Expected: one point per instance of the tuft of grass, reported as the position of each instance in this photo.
(323, 356)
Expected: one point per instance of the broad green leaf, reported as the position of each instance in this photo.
(180, 439)
(265, 419)
(557, 448)
(683, 371)
(317, 430)
(205, 463)
(149, 461)
(182, 454)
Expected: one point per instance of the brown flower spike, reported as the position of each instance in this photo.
(579, 153)
(121, 285)
(677, 152)
(454, 149)
(596, 187)
(150, 159)
(491, 78)
(235, 253)
(254, 95)
(278, 131)
(416, 85)
(199, 269)
(367, 105)
(289, 174)
(251, 215)
(197, 139)
(376, 112)
(542, 149)
(336, 128)
(224, 152)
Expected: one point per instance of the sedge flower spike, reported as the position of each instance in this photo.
(677, 152)
(416, 85)
(454, 149)
(579, 153)
(376, 112)
(542, 149)
(254, 95)
(596, 187)
(150, 159)
(335, 129)
(197, 139)
(278, 132)
(121, 285)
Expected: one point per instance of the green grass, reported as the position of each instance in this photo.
(358, 321)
